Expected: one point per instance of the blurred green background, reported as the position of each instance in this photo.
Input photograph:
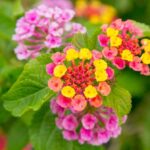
(136, 132)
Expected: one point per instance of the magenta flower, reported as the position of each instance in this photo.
(119, 63)
(136, 64)
(145, 70)
(32, 17)
(96, 140)
(112, 123)
(70, 135)
(86, 135)
(50, 68)
(53, 42)
(89, 121)
(63, 101)
(96, 54)
(58, 58)
(44, 28)
(122, 46)
(109, 54)
(94, 128)
(58, 122)
(22, 52)
(104, 135)
(70, 122)
(110, 73)
(56, 109)
(103, 40)
(116, 133)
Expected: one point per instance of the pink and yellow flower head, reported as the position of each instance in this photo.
(122, 46)
(95, 11)
(92, 127)
(81, 77)
(44, 28)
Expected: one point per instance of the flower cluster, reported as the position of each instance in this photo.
(81, 78)
(43, 28)
(122, 46)
(92, 127)
(95, 11)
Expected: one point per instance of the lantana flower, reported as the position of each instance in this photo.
(122, 46)
(95, 11)
(95, 127)
(44, 28)
(81, 79)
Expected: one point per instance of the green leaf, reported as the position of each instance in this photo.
(45, 136)
(140, 82)
(4, 115)
(17, 7)
(30, 90)
(90, 39)
(6, 6)
(119, 99)
(145, 28)
(91, 28)
(18, 136)
(80, 41)
(7, 26)
(84, 41)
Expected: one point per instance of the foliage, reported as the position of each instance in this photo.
(30, 92)
(120, 100)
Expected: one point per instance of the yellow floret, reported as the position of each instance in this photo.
(147, 48)
(145, 41)
(85, 53)
(90, 91)
(71, 54)
(146, 58)
(68, 91)
(112, 32)
(115, 41)
(100, 64)
(127, 55)
(60, 71)
(101, 75)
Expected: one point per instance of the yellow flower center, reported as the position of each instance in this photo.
(68, 91)
(115, 41)
(100, 64)
(90, 91)
(112, 32)
(85, 54)
(127, 55)
(146, 58)
(71, 54)
(101, 75)
(60, 71)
